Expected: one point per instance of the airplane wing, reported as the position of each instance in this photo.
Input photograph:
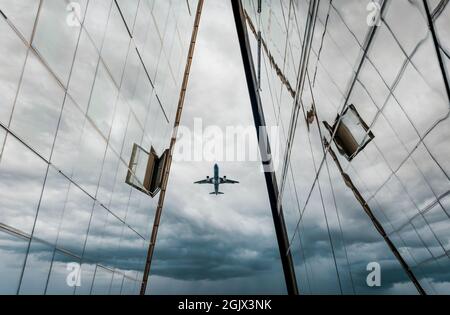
(228, 181)
(205, 181)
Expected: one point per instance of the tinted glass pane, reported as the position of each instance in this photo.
(37, 268)
(22, 175)
(22, 13)
(59, 281)
(12, 66)
(12, 251)
(38, 107)
(55, 39)
(103, 101)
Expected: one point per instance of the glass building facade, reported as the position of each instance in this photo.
(81, 82)
(381, 81)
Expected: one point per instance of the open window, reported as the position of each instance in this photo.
(146, 170)
(352, 134)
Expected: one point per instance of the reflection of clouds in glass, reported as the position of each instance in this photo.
(83, 71)
(103, 100)
(89, 156)
(115, 45)
(37, 268)
(22, 14)
(75, 221)
(12, 251)
(96, 20)
(38, 106)
(11, 65)
(22, 175)
(91, 152)
(55, 39)
(70, 129)
(51, 208)
(399, 177)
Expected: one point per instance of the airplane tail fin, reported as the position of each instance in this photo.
(219, 193)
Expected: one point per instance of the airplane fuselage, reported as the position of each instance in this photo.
(216, 179)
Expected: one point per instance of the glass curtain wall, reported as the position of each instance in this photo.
(80, 83)
(315, 60)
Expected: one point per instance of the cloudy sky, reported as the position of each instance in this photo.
(224, 244)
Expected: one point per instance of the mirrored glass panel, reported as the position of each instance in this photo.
(22, 175)
(13, 250)
(76, 94)
(37, 268)
(38, 107)
(12, 66)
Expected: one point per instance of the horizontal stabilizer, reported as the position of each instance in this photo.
(219, 193)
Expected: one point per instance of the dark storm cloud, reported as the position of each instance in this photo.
(199, 252)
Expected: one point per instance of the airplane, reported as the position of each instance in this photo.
(216, 181)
